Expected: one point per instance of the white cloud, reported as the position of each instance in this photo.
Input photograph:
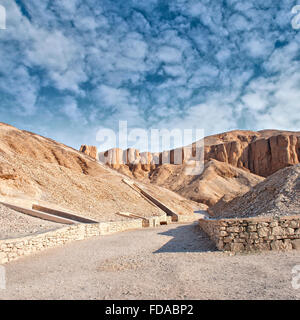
(258, 47)
(213, 65)
(175, 70)
(212, 116)
(223, 55)
(133, 47)
(237, 22)
(71, 110)
(112, 96)
(204, 75)
(255, 101)
(169, 54)
(59, 55)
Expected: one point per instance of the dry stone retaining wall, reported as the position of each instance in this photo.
(13, 249)
(252, 234)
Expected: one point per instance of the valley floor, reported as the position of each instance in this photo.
(169, 262)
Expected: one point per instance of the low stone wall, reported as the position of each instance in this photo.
(254, 234)
(187, 218)
(13, 249)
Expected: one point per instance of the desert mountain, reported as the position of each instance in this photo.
(262, 153)
(37, 169)
(278, 195)
(235, 161)
(216, 180)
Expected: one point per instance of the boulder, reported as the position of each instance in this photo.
(89, 150)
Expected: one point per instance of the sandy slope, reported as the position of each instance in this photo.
(40, 169)
(217, 179)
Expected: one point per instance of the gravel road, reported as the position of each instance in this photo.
(169, 262)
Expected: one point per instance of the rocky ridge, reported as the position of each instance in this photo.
(37, 169)
(251, 155)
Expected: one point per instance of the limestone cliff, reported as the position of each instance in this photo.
(260, 153)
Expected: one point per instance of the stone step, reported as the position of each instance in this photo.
(63, 214)
(153, 200)
(39, 214)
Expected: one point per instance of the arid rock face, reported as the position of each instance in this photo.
(130, 161)
(217, 180)
(89, 150)
(259, 153)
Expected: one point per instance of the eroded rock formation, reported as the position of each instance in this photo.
(89, 150)
(262, 153)
(255, 153)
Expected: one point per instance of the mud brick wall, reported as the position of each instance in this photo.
(254, 234)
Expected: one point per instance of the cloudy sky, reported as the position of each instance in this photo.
(69, 68)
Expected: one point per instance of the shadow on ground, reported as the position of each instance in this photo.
(187, 238)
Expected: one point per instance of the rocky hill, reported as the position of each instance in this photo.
(262, 153)
(234, 162)
(278, 195)
(34, 168)
(217, 180)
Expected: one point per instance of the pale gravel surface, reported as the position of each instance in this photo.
(14, 224)
(170, 262)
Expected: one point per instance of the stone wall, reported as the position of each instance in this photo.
(254, 234)
(186, 218)
(13, 249)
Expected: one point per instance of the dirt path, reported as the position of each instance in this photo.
(170, 262)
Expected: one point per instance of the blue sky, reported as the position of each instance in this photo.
(69, 68)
